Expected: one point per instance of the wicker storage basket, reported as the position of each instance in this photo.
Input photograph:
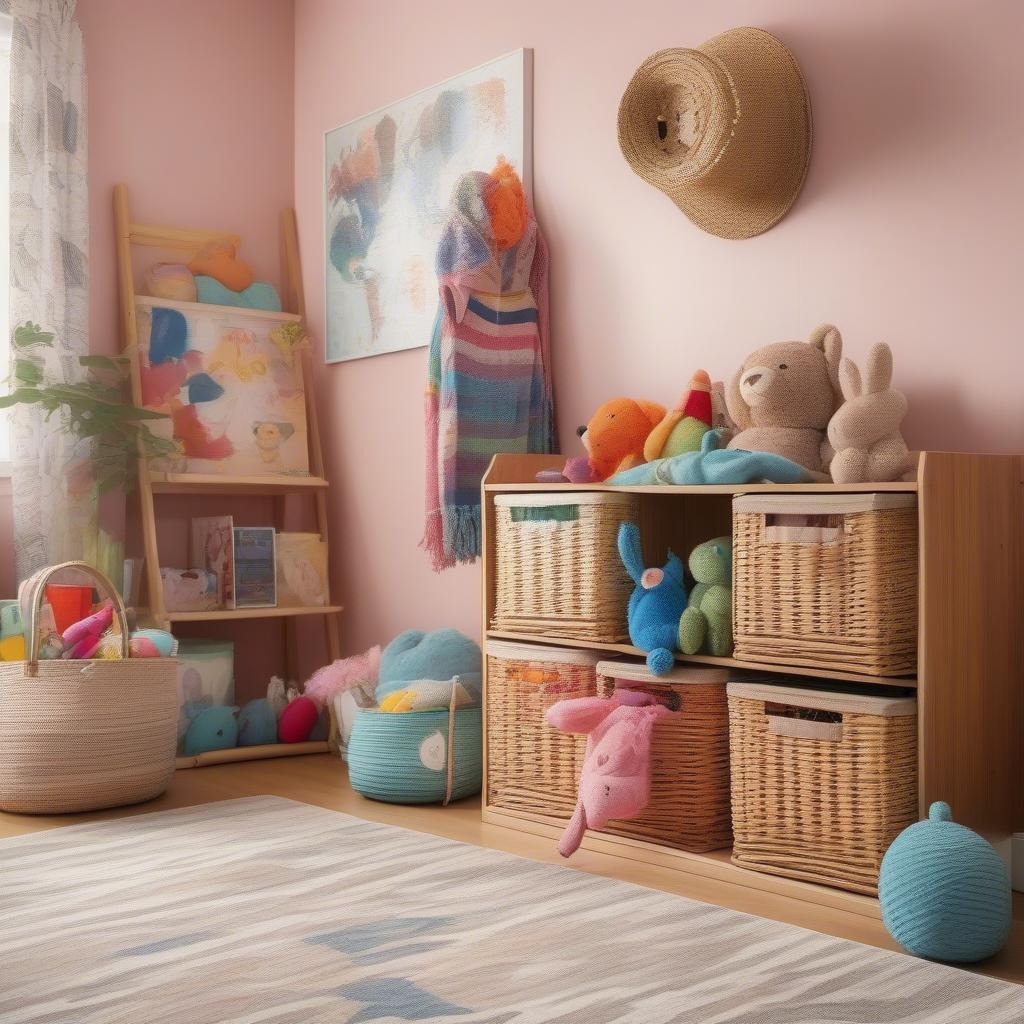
(557, 567)
(822, 781)
(83, 735)
(531, 766)
(828, 581)
(689, 806)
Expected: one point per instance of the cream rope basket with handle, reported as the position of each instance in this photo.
(85, 734)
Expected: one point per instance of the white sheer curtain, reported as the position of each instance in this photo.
(55, 505)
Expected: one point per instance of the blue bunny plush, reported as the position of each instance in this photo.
(656, 604)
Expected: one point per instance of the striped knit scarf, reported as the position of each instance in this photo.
(489, 376)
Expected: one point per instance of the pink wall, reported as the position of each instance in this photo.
(908, 230)
(190, 104)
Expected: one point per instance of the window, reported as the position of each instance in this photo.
(5, 228)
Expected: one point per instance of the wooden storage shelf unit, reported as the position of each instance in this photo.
(970, 661)
(152, 484)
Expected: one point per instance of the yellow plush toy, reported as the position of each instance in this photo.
(682, 428)
(220, 261)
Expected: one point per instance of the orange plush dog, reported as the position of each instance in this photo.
(615, 436)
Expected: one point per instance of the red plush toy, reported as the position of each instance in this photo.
(297, 721)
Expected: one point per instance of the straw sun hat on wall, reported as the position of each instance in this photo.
(723, 130)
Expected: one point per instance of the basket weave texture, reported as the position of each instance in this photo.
(84, 735)
(557, 567)
(689, 805)
(530, 765)
(820, 809)
(846, 603)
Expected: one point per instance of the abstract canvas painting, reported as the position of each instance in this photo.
(388, 180)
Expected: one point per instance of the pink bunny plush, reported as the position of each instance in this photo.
(83, 638)
(616, 777)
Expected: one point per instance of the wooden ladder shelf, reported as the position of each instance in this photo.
(152, 484)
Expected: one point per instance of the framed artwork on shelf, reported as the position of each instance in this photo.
(388, 180)
(231, 384)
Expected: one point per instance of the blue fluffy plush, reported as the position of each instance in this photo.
(257, 723)
(656, 604)
(714, 464)
(212, 728)
(443, 654)
(259, 295)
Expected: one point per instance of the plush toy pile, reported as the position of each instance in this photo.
(663, 617)
(794, 411)
(419, 741)
(215, 275)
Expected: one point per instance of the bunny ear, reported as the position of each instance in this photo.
(631, 551)
(878, 376)
(849, 379)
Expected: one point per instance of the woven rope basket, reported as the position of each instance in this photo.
(531, 766)
(416, 757)
(820, 800)
(83, 735)
(689, 806)
(557, 565)
(827, 581)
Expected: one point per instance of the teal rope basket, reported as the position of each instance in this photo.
(403, 758)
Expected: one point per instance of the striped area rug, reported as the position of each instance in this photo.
(266, 911)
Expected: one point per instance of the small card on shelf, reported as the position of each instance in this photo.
(255, 569)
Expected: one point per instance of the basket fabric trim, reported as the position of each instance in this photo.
(545, 513)
(542, 500)
(510, 650)
(636, 672)
(822, 503)
(826, 700)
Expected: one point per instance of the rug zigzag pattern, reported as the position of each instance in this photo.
(265, 910)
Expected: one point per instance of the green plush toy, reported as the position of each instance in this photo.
(706, 624)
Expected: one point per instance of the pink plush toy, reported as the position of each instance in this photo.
(616, 777)
(83, 638)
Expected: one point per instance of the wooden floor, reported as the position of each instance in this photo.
(321, 780)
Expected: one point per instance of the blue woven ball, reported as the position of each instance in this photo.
(944, 891)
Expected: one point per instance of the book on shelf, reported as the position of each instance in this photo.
(213, 550)
(255, 568)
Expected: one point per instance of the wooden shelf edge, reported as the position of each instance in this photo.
(258, 753)
(217, 614)
(512, 473)
(201, 483)
(715, 865)
(899, 487)
(902, 682)
(212, 307)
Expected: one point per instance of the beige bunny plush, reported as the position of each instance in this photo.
(865, 431)
(783, 397)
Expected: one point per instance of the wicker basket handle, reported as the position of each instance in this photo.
(802, 728)
(35, 605)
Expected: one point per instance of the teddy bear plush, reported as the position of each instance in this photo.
(783, 397)
(706, 623)
(865, 431)
(614, 439)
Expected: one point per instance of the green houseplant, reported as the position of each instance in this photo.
(95, 410)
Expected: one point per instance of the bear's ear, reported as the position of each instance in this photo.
(654, 412)
(827, 338)
(739, 411)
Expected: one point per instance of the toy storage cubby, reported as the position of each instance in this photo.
(970, 655)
